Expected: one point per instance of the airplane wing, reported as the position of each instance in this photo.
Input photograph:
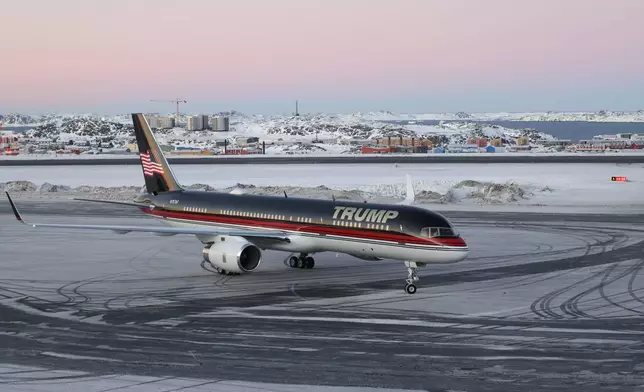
(159, 230)
(123, 203)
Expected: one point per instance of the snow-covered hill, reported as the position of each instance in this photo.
(16, 119)
(20, 119)
(601, 116)
(282, 134)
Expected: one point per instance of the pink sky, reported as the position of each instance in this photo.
(111, 54)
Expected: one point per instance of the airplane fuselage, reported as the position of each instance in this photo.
(365, 230)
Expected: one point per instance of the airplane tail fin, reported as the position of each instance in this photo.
(156, 170)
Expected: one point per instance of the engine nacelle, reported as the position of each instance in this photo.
(233, 254)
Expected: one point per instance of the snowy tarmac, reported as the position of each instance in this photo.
(545, 302)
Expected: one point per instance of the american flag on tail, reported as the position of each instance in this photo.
(149, 167)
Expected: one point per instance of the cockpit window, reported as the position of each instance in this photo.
(431, 232)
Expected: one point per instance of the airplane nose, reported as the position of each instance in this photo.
(453, 255)
(462, 252)
(457, 248)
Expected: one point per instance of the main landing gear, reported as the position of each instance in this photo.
(301, 261)
(410, 287)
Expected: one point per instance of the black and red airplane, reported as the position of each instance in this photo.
(235, 228)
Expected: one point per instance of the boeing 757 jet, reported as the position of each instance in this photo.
(235, 228)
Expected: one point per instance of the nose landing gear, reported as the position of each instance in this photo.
(412, 277)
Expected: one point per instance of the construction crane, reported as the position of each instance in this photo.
(177, 101)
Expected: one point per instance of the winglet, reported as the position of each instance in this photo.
(15, 209)
(411, 194)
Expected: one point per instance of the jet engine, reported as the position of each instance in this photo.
(233, 254)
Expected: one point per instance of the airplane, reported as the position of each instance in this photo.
(235, 228)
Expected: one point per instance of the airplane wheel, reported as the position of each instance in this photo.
(293, 262)
(309, 262)
(410, 288)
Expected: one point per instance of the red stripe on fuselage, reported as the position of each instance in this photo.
(308, 228)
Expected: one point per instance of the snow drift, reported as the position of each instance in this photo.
(443, 193)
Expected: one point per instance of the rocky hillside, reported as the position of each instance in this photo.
(305, 129)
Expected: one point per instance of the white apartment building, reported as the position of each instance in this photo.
(160, 122)
(197, 123)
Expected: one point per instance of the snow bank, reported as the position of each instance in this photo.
(463, 191)
(568, 186)
(481, 192)
(491, 192)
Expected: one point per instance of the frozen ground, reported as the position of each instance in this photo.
(35, 379)
(544, 303)
(492, 187)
